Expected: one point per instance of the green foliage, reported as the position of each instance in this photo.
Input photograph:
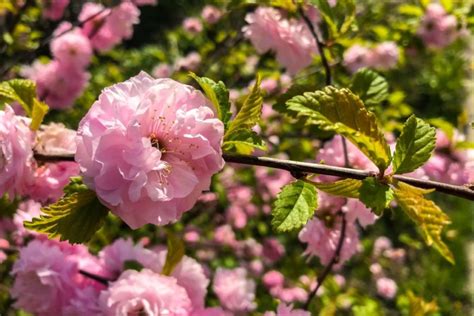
(341, 111)
(371, 87)
(426, 214)
(338, 18)
(375, 195)
(75, 217)
(132, 265)
(239, 138)
(346, 187)
(24, 92)
(414, 146)
(419, 307)
(294, 206)
(218, 94)
(175, 253)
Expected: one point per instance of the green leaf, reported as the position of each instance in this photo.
(243, 141)
(24, 92)
(375, 195)
(419, 307)
(414, 146)
(338, 18)
(175, 253)
(343, 112)
(347, 187)
(250, 112)
(294, 206)
(74, 217)
(426, 215)
(218, 94)
(294, 90)
(371, 87)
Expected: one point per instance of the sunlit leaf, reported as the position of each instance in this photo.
(371, 87)
(347, 187)
(426, 214)
(243, 141)
(375, 195)
(174, 254)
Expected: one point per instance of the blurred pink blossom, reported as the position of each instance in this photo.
(55, 139)
(235, 291)
(387, 288)
(54, 9)
(162, 71)
(192, 25)
(437, 28)
(211, 14)
(189, 62)
(72, 48)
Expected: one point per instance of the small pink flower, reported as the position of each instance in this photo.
(322, 241)
(16, 156)
(273, 250)
(146, 292)
(192, 25)
(225, 235)
(273, 278)
(71, 48)
(437, 28)
(234, 290)
(189, 62)
(149, 147)
(50, 179)
(356, 210)
(57, 84)
(384, 56)
(291, 39)
(26, 211)
(381, 244)
(356, 57)
(287, 310)
(54, 9)
(55, 139)
(162, 71)
(211, 14)
(387, 288)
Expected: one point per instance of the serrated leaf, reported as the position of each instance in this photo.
(426, 214)
(250, 112)
(371, 87)
(24, 92)
(341, 111)
(217, 94)
(375, 195)
(347, 187)
(414, 146)
(294, 206)
(74, 217)
(294, 90)
(243, 141)
(174, 254)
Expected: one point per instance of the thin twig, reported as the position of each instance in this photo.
(334, 260)
(95, 277)
(315, 168)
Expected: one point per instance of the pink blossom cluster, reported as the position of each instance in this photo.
(235, 291)
(274, 281)
(49, 279)
(20, 174)
(148, 148)
(438, 29)
(291, 40)
(61, 81)
(383, 56)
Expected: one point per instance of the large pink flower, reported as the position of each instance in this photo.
(290, 39)
(145, 292)
(234, 290)
(149, 147)
(16, 156)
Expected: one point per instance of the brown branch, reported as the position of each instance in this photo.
(95, 277)
(298, 167)
(334, 260)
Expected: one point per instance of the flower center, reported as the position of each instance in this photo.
(155, 142)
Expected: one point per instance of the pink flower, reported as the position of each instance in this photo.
(381, 244)
(55, 139)
(71, 48)
(387, 288)
(145, 292)
(192, 25)
(16, 156)
(149, 147)
(273, 250)
(50, 179)
(437, 28)
(145, 2)
(356, 210)
(54, 9)
(211, 311)
(162, 71)
(384, 56)
(291, 39)
(109, 26)
(57, 84)
(322, 241)
(44, 278)
(234, 290)
(225, 235)
(290, 294)
(211, 14)
(189, 62)
(287, 310)
(273, 278)
(356, 57)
